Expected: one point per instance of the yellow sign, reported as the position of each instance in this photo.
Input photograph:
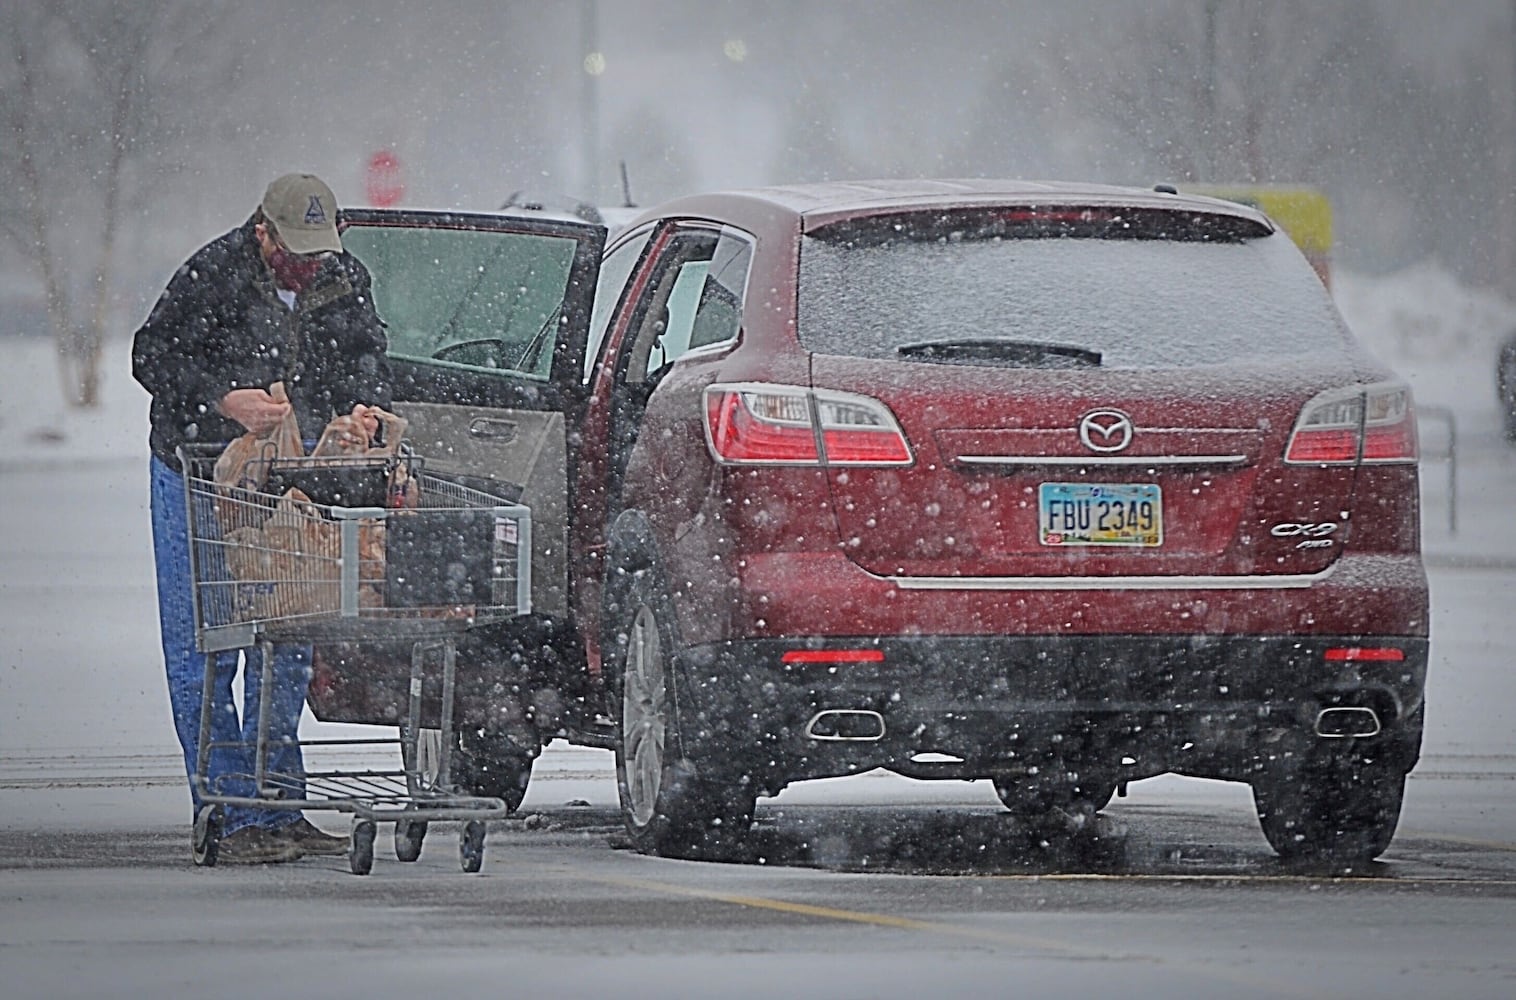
(1302, 212)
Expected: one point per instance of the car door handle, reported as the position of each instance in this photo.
(491, 429)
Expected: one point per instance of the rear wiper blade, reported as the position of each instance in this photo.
(1024, 353)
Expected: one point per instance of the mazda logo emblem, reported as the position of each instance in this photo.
(1105, 430)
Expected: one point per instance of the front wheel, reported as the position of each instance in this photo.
(492, 765)
(360, 847)
(471, 846)
(409, 835)
(669, 806)
(1337, 811)
(205, 844)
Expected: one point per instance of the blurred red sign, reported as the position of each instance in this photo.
(383, 183)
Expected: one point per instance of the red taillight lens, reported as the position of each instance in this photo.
(1343, 654)
(1372, 424)
(748, 427)
(1323, 446)
(1389, 426)
(856, 430)
(762, 424)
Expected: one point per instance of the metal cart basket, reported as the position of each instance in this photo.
(393, 553)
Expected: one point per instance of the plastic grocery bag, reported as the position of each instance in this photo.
(292, 564)
(246, 461)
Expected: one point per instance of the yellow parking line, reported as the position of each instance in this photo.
(1027, 941)
(850, 916)
(1453, 838)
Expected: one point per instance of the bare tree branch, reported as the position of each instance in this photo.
(96, 93)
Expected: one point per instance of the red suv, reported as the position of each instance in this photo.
(1061, 486)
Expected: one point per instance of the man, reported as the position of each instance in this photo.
(275, 299)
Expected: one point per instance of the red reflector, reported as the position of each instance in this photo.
(1341, 653)
(834, 656)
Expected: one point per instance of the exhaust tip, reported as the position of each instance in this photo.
(1347, 722)
(853, 724)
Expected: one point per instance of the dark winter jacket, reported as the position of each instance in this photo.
(220, 325)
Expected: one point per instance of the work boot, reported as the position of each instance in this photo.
(304, 835)
(253, 845)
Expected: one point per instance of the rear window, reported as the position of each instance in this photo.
(1135, 290)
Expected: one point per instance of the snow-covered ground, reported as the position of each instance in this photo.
(82, 694)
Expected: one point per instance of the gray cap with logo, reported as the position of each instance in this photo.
(304, 213)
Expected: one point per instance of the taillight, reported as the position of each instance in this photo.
(1373, 424)
(763, 424)
(772, 426)
(1389, 426)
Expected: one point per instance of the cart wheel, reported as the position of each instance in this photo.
(205, 843)
(471, 845)
(408, 837)
(360, 847)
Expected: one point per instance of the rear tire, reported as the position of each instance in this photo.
(1505, 374)
(1339, 810)
(670, 804)
(1037, 795)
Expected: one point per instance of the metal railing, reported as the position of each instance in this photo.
(1444, 416)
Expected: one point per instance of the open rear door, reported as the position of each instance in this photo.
(486, 318)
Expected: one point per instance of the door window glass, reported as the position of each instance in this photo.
(459, 297)
(719, 315)
(614, 270)
(695, 300)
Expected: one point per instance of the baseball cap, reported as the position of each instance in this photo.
(304, 212)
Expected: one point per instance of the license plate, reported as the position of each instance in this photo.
(1100, 514)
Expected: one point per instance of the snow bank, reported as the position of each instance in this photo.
(1441, 336)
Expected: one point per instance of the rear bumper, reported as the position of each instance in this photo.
(1203, 705)
(820, 594)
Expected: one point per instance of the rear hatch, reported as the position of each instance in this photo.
(1085, 391)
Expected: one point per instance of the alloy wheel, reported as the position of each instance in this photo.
(643, 723)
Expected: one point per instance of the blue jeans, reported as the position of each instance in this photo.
(231, 764)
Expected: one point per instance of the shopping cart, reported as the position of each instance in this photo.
(355, 550)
